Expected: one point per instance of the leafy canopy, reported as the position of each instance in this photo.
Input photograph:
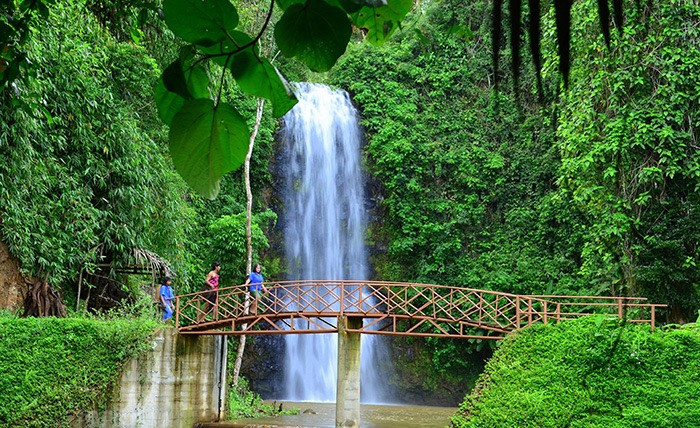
(316, 32)
(82, 164)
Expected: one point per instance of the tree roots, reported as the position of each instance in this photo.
(42, 300)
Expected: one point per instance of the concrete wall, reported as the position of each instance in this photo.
(176, 384)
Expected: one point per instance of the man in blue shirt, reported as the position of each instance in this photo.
(166, 298)
(255, 279)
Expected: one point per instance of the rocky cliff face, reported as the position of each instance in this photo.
(263, 365)
(11, 281)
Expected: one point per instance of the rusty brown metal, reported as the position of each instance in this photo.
(391, 308)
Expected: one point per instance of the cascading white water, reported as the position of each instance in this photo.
(324, 223)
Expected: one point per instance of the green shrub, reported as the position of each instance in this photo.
(592, 372)
(51, 369)
(244, 403)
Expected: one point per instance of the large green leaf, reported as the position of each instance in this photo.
(315, 32)
(202, 22)
(256, 76)
(239, 39)
(177, 85)
(284, 4)
(168, 103)
(381, 22)
(206, 142)
(187, 82)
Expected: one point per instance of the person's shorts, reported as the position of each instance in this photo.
(255, 294)
(210, 297)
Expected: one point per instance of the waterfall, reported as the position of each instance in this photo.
(324, 223)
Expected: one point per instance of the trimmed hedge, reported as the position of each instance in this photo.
(592, 372)
(51, 369)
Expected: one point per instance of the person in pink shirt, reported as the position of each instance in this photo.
(211, 283)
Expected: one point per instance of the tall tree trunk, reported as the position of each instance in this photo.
(248, 230)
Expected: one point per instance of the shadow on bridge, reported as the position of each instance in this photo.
(390, 308)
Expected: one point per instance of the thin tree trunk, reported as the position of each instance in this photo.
(80, 283)
(248, 231)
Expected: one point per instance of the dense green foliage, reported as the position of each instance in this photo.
(85, 174)
(592, 192)
(81, 170)
(467, 176)
(629, 153)
(52, 369)
(229, 242)
(592, 372)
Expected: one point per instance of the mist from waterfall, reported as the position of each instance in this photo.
(324, 224)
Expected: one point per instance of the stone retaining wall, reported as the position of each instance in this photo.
(176, 384)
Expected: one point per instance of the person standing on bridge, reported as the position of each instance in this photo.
(166, 298)
(211, 283)
(255, 279)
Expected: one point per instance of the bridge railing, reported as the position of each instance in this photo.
(554, 308)
(390, 308)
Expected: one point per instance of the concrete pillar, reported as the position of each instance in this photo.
(347, 404)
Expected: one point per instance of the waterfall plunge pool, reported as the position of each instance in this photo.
(372, 416)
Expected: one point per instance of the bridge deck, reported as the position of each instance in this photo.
(390, 308)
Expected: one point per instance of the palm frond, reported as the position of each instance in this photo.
(145, 258)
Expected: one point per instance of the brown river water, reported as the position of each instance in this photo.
(372, 416)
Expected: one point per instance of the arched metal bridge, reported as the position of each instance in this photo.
(390, 308)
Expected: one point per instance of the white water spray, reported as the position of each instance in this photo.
(324, 223)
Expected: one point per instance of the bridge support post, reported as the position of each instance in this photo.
(347, 404)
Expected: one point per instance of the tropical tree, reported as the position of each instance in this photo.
(82, 171)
